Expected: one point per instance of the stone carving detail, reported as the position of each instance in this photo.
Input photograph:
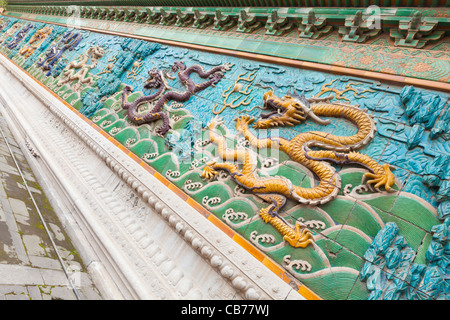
(358, 29)
(277, 25)
(247, 23)
(313, 27)
(184, 19)
(416, 33)
(223, 22)
(201, 20)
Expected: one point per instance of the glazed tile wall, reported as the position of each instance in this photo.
(346, 260)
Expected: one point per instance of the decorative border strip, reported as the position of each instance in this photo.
(245, 3)
(377, 76)
(357, 25)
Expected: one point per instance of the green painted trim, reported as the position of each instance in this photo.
(225, 3)
(327, 52)
(338, 14)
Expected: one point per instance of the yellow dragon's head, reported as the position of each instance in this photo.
(289, 110)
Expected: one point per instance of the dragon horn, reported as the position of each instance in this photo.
(294, 95)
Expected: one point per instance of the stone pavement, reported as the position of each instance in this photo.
(29, 264)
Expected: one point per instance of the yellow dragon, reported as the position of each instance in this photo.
(289, 111)
(36, 40)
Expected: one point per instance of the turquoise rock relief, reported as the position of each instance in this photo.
(367, 242)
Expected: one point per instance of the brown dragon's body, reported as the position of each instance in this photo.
(340, 150)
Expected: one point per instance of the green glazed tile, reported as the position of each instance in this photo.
(413, 235)
(315, 54)
(339, 209)
(420, 257)
(383, 203)
(421, 217)
(233, 43)
(355, 243)
(267, 48)
(249, 46)
(359, 291)
(288, 50)
(332, 286)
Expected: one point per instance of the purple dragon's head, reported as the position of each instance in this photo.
(178, 65)
(155, 79)
(215, 77)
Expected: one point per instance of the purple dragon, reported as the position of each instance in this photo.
(157, 80)
(68, 42)
(19, 37)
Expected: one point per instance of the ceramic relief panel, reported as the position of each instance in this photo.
(340, 180)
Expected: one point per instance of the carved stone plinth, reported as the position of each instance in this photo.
(416, 33)
(313, 27)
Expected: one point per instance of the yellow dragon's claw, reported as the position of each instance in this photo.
(208, 172)
(265, 216)
(242, 122)
(216, 122)
(385, 178)
(301, 239)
